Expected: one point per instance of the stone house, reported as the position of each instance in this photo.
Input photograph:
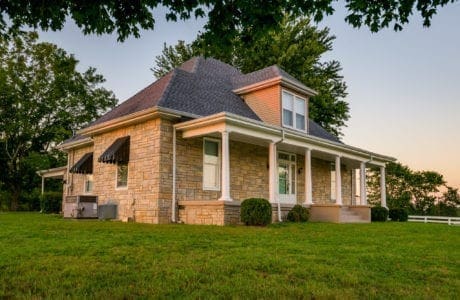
(195, 143)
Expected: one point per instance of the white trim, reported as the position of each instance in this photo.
(383, 193)
(273, 133)
(362, 184)
(219, 165)
(308, 178)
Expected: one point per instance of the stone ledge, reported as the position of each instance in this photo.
(208, 203)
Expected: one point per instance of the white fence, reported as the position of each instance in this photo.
(435, 219)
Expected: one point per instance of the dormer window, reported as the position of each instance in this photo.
(294, 111)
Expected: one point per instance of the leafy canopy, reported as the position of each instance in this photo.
(225, 18)
(295, 46)
(43, 99)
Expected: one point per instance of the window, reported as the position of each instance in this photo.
(122, 175)
(294, 111)
(211, 165)
(333, 187)
(88, 188)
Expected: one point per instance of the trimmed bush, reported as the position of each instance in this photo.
(256, 212)
(298, 214)
(398, 214)
(50, 202)
(379, 214)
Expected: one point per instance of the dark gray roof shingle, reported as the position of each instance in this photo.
(202, 87)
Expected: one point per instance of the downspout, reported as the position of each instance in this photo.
(278, 198)
(173, 211)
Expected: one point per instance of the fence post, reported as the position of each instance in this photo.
(426, 219)
(448, 221)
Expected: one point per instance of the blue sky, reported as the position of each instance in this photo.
(403, 86)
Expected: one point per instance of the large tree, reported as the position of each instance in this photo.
(295, 46)
(43, 99)
(225, 18)
(414, 190)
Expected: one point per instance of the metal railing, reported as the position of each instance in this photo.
(435, 219)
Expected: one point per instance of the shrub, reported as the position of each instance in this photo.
(298, 214)
(398, 214)
(379, 214)
(50, 202)
(256, 211)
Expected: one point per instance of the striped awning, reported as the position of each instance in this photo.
(84, 165)
(118, 152)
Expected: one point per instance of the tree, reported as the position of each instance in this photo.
(413, 190)
(295, 46)
(43, 99)
(225, 18)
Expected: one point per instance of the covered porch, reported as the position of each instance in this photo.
(328, 177)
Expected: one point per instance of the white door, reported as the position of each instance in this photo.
(287, 177)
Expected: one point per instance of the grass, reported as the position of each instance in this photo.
(44, 256)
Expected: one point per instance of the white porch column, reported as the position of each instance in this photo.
(338, 182)
(272, 172)
(43, 185)
(362, 184)
(308, 184)
(383, 192)
(225, 184)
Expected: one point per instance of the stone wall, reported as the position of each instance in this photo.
(321, 182)
(248, 171)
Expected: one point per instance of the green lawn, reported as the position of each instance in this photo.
(47, 257)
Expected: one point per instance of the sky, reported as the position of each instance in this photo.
(402, 86)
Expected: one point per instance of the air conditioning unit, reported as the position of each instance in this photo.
(107, 211)
(80, 207)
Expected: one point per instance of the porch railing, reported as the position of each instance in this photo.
(435, 219)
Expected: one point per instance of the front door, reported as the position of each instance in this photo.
(287, 177)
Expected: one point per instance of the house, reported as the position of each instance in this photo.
(195, 143)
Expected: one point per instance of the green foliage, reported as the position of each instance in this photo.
(47, 257)
(295, 46)
(225, 19)
(379, 214)
(398, 214)
(256, 212)
(298, 214)
(51, 202)
(44, 98)
(413, 190)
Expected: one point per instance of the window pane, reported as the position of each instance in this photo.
(300, 106)
(211, 148)
(122, 176)
(299, 122)
(282, 180)
(288, 101)
(287, 117)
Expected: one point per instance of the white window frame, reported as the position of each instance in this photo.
(219, 165)
(123, 187)
(85, 191)
(294, 112)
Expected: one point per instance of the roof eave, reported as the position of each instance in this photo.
(286, 82)
(278, 131)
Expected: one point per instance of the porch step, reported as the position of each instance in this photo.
(349, 216)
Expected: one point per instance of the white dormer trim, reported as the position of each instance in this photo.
(283, 81)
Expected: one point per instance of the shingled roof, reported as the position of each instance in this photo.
(203, 87)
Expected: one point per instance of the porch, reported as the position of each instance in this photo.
(335, 192)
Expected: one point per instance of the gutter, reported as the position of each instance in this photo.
(173, 210)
